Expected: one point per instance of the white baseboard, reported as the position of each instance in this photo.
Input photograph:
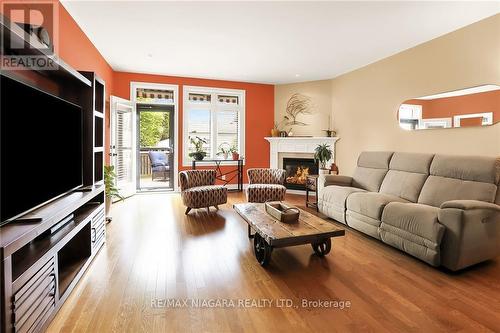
(235, 186)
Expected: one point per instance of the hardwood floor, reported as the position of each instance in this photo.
(155, 253)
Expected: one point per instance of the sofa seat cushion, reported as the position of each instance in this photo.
(332, 201)
(370, 204)
(204, 196)
(265, 192)
(413, 228)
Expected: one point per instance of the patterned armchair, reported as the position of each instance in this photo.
(198, 190)
(266, 185)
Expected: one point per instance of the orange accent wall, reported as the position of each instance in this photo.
(259, 110)
(75, 48)
(448, 107)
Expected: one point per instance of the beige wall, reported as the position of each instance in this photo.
(321, 106)
(365, 101)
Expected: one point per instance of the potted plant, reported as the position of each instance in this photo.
(323, 154)
(110, 188)
(234, 152)
(330, 133)
(225, 150)
(198, 154)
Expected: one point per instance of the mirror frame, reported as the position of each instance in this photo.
(453, 120)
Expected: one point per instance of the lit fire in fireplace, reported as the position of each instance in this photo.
(299, 177)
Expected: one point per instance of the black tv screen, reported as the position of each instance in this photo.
(41, 148)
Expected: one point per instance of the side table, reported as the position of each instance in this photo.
(312, 185)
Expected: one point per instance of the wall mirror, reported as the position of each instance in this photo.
(476, 106)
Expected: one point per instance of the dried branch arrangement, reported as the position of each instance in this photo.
(297, 104)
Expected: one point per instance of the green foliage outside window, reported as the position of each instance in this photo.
(154, 127)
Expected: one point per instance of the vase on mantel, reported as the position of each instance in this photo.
(334, 169)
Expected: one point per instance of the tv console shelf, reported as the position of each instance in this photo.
(95, 104)
(44, 253)
(26, 247)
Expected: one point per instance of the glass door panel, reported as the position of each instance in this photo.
(155, 141)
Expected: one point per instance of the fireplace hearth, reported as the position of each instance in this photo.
(297, 169)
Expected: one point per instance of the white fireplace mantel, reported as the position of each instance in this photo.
(297, 145)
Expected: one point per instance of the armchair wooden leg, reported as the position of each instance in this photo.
(188, 209)
(216, 207)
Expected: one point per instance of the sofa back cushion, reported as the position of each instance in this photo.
(371, 170)
(195, 178)
(266, 176)
(407, 174)
(460, 178)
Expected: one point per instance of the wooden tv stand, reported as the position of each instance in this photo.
(39, 269)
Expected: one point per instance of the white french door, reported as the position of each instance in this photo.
(123, 145)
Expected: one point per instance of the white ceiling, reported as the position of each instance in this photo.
(265, 42)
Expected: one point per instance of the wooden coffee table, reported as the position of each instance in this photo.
(270, 233)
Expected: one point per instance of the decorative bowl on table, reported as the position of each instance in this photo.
(282, 212)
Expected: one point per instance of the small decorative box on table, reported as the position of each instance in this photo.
(282, 212)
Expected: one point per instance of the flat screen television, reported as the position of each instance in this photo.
(41, 148)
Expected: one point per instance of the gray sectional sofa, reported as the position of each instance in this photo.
(441, 209)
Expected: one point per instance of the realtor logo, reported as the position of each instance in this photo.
(29, 35)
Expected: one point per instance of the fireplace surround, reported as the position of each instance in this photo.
(294, 147)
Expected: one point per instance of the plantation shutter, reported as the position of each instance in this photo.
(123, 145)
(227, 128)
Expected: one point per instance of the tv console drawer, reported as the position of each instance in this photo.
(98, 216)
(100, 238)
(98, 229)
(33, 302)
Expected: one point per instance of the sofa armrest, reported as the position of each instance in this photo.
(266, 176)
(470, 204)
(337, 180)
(471, 235)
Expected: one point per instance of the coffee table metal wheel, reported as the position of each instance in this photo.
(262, 250)
(322, 247)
